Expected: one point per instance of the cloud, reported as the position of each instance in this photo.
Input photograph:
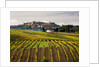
(59, 17)
(13, 22)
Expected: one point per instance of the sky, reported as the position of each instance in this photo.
(59, 17)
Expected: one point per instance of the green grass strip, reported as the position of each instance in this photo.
(46, 44)
(35, 46)
(41, 44)
(57, 44)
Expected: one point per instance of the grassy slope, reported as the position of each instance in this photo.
(31, 35)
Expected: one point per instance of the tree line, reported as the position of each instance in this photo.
(68, 29)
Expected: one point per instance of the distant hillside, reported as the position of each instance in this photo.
(36, 25)
(46, 27)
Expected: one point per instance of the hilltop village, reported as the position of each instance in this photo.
(46, 27)
(37, 26)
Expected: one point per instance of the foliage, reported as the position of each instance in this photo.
(68, 28)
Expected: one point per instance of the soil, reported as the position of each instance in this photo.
(70, 57)
(76, 55)
(62, 55)
(40, 55)
(32, 55)
(16, 56)
(47, 54)
(54, 54)
(24, 55)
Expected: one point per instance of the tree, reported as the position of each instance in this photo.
(44, 29)
(68, 29)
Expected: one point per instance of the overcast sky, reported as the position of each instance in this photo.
(59, 17)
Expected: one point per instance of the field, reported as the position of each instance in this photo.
(34, 46)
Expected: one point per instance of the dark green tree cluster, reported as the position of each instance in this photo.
(68, 29)
(44, 30)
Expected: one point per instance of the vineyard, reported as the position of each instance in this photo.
(33, 46)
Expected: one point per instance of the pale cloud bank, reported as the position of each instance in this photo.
(59, 17)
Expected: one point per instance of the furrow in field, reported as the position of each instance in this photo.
(32, 52)
(12, 53)
(46, 52)
(51, 58)
(17, 49)
(71, 59)
(43, 49)
(32, 55)
(76, 43)
(66, 55)
(29, 50)
(12, 42)
(71, 51)
(14, 45)
(55, 52)
(77, 50)
(24, 53)
(38, 53)
(74, 50)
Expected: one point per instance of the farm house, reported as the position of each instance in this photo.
(49, 30)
